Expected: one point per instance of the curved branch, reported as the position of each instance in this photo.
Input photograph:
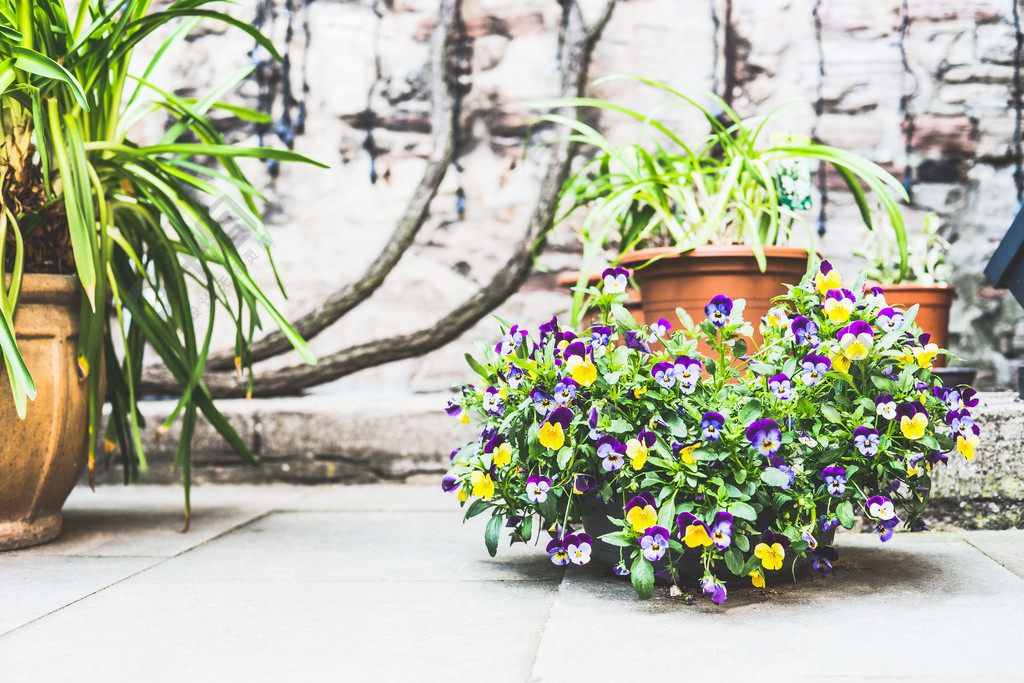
(442, 124)
(578, 47)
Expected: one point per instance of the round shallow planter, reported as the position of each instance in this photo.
(689, 568)
(42, 456)
(633, 304)
(691, 279)
(933, 314)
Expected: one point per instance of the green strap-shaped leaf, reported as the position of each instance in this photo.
(41, 65)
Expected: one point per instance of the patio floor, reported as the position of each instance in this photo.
(384, 583)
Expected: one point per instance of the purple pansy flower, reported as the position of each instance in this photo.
(615, 280)
(620, 569)
(961, 424)
(715, 590)
(781, 387)
(824, 556)
(664, 374)
(592, 423)
(578, 547)
(935, 457)
(542, 400)
(881, 508)
(453, 409)
(807, 440)
(654, 543)
(581, 483)
(814, 369)
(512, 340)
(828, 522)
(885, 527)
(492, 401)
(811, 542)
(450, 483)
(835, 480)
(805, 331)
(721, 530)
(889, 319)
(600, 337)
(548, 329)
(515, 375)
(718, 310)
(640, 500)
(611, 452)
(968, 397)
(866, 440)
(885, 406)
(565, 391)
(635, 341)
(659, 329)
(687, 371)
(765, 436)
(537, 488)
(711, 426)
(874, 296)
(556, 549)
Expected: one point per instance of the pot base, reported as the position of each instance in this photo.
(24, 534)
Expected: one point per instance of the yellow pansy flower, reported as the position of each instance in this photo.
(826, 281)
(637, 452)
(756, 578)
(696, 535)
(965, 445)
(913, 427)
(642, 518)
(502, 455)
(582, 370)
(686, 453)
(483, 487)
(551, 435)
(639, 391)
(924, 356)
(771, 556)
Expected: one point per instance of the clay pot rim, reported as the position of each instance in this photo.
(642, 256)
(47, 288)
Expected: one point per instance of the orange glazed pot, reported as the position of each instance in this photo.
(42, 456)
(934, 302)
(691, 279)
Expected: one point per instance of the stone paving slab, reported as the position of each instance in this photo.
(384, 583)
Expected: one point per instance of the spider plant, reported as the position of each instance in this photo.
(725, 187)
(133, 217)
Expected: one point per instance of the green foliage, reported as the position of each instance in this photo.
(139, 217)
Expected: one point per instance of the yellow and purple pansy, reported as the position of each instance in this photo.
(579, 361)
(552, 432)
(641, 512)
(913, 420)
(827, 278)
(838, 305)
(856, 340)
(692, 530)
(639, 448)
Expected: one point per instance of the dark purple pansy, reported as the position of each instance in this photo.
(636, 342)
(885, 528)
(769, 537)
(866, 440)
(548, 329)
(823, 557)
(805, 331)
(450, 483)
(715, 590)
(711, 426)
(765, 436)
(828, 522)
(835, 479)
(718, 310)
(581, 483)
(562, 416)
(968, 397)
(654, 543)
(453, 409)
(935, 457)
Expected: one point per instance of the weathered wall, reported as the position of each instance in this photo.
(328, 225)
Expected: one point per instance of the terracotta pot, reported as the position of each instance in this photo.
(633, 303)
(42, 456)
(933, 314)
(691, 279)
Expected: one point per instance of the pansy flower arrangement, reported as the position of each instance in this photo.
(629, 445)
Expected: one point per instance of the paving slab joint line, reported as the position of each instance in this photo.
(968, 542)
(536, 644)
(233, 529)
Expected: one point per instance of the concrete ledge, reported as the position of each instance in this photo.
(407, 437)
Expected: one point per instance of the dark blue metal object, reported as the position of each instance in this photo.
(1006, 267)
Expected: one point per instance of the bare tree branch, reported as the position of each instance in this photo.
(335, 306)
(577, 49)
